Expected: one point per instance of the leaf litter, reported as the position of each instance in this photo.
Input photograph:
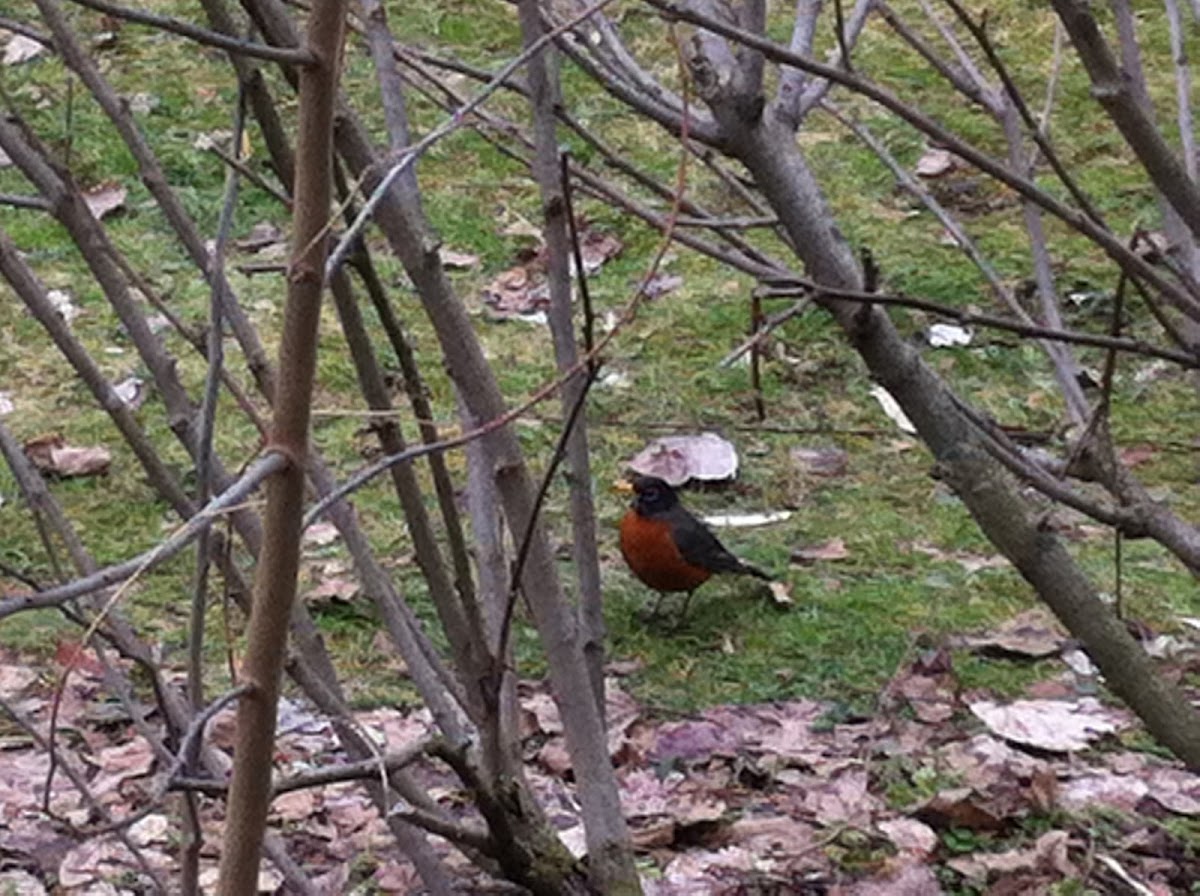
(781, 797)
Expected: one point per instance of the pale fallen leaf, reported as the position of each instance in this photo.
(261, 236)
(60, 299)
(1058, 726)
(295, 806)
(747, 520)
(909, 835)
(911, 879)
(21, 49)
(454, 259)
(1049, 853)
(661, 284)
(131, 391)
(155, 828)
(6, 403)
(834, 549)
(935, 162)
(676, 459)
(614, 379)
(1033, 633)
(1080, 663)
(51, 454)
(1175, 789)
(820, 461)
(893, 410)
(320, 534)
(143, 103)
(949, 335)
(14, 679)
(781, 593)
(105, 199)
(21, 883)
(333, 589)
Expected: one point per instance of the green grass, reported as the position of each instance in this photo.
(853, 620)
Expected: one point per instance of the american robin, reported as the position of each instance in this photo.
(668, 548)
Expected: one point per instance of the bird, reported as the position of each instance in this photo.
(668, 548)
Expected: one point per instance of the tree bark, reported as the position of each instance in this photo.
(275, 578)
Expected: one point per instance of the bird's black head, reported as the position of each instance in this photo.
(652, 496)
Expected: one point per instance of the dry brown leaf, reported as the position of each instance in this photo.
(1048, 854)
(677, 459)
(262, 235)
(105, 199)
(834, 549)
(53, 456)
(910, 835)
(935, 162)
(824, 461)
(1059, 726)
(1033, 633)
(454, 259)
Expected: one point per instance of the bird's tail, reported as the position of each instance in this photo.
(746, 569)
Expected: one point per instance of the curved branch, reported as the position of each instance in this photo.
(1074, 218)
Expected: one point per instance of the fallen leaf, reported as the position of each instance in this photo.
(834, 549)
(522, 292)
(949, 336)
(781, 593)
(935, 162)
(1058, 726)
(893, 410)
(661, 284)
(53, 456)
(21, 49)
(1175, 790)
(132, 392)
(1100, 788)
(821, 461)
(143, 103)
(1135, 455)
(1049, 853)
(61, 300)
(333, 589)
(677, 459)
(960, 807)
(320, 534)
(6, 404)
(911, 879)
(105, 199)
(1080, 663)
(1033, 634)
(261, 236)
(909, 835)
(453, 259)
(614, 379)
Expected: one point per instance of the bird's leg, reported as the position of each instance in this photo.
(683, 611)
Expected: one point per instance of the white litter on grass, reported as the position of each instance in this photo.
(893, 410)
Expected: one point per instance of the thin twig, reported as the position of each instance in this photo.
(409, 156)
(227, 502)
(284, 55)
(1132, 346)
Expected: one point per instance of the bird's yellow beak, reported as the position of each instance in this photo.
(622, 486)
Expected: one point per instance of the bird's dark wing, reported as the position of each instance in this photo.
(700, 547)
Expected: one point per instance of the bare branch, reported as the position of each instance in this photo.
(201, 35)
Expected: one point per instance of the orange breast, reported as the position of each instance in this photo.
(648, 548)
